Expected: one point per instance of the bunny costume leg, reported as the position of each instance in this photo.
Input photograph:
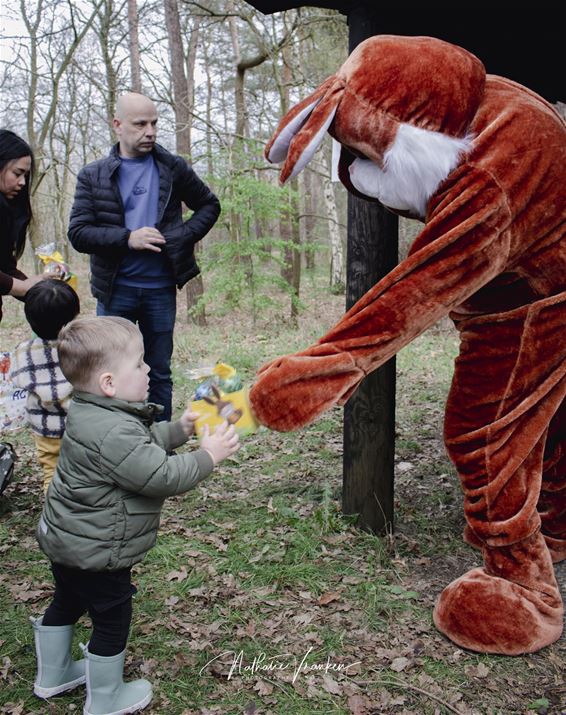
(552, 502)
(497, 421)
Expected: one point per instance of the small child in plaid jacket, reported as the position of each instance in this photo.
(49, 305)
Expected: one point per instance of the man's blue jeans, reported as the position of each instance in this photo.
(153, 309)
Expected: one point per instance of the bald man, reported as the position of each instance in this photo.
(127, 214)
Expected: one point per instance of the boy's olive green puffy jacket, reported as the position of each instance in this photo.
(115, 469)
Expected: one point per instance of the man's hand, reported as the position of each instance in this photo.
(146, 239)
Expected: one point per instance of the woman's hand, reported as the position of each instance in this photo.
(21, 287)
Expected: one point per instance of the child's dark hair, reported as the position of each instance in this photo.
(49, 305)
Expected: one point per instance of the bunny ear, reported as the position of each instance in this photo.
(301, 130)
(276, 150)
(277, 147)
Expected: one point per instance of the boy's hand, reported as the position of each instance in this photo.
(224, 442)
(188, 420)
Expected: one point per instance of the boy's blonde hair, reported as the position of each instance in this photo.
(89, 346)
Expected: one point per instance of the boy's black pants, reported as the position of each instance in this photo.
(106, 595)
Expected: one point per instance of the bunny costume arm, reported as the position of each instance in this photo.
(415, 295)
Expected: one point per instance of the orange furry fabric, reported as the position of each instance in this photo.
(492, 255)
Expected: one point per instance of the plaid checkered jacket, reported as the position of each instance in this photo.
(35, 367)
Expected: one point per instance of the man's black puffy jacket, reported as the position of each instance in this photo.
(96, 225)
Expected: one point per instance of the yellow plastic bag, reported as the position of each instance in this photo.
(55, 265)
(233, 407)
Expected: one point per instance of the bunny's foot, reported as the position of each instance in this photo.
(511, 606)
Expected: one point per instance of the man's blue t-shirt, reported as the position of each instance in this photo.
(138, 180)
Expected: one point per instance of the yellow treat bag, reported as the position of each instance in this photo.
(219, 406)
(55, 264)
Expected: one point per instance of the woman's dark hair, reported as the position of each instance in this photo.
(14, 147)
(49, 305)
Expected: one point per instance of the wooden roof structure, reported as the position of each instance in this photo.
(524, 45)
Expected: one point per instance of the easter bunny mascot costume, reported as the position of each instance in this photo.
(481, 161)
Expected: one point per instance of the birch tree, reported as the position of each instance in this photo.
(308, 223)
(337, 268)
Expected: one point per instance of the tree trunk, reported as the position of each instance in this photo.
(181, 105)
(286, 227)
(194, 292)
(209, 90)
(369, 415)
(337, 272)
(190, 73)
(286, 236)
(195, 287)
(308, 222)
(105, 15)
(180, 86)
(134, 47)
(237, 144)
(62, 172)
(239, 80)
(296, 251)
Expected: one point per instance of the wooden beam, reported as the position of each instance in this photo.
(525, 46)
(268, 7)
(369, 415)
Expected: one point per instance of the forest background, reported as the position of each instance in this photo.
(222, 75)
(258, 562)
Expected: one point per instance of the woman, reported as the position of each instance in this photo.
(16, 172)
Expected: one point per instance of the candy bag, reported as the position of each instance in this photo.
(54, 264)
(220, 396)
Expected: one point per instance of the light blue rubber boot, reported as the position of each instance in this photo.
(57, 672)
(106, 692)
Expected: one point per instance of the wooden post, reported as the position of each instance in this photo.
(369, 415)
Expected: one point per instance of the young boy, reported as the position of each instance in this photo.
(49, 305)
(102, 510)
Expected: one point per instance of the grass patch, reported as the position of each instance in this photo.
(259, 565)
